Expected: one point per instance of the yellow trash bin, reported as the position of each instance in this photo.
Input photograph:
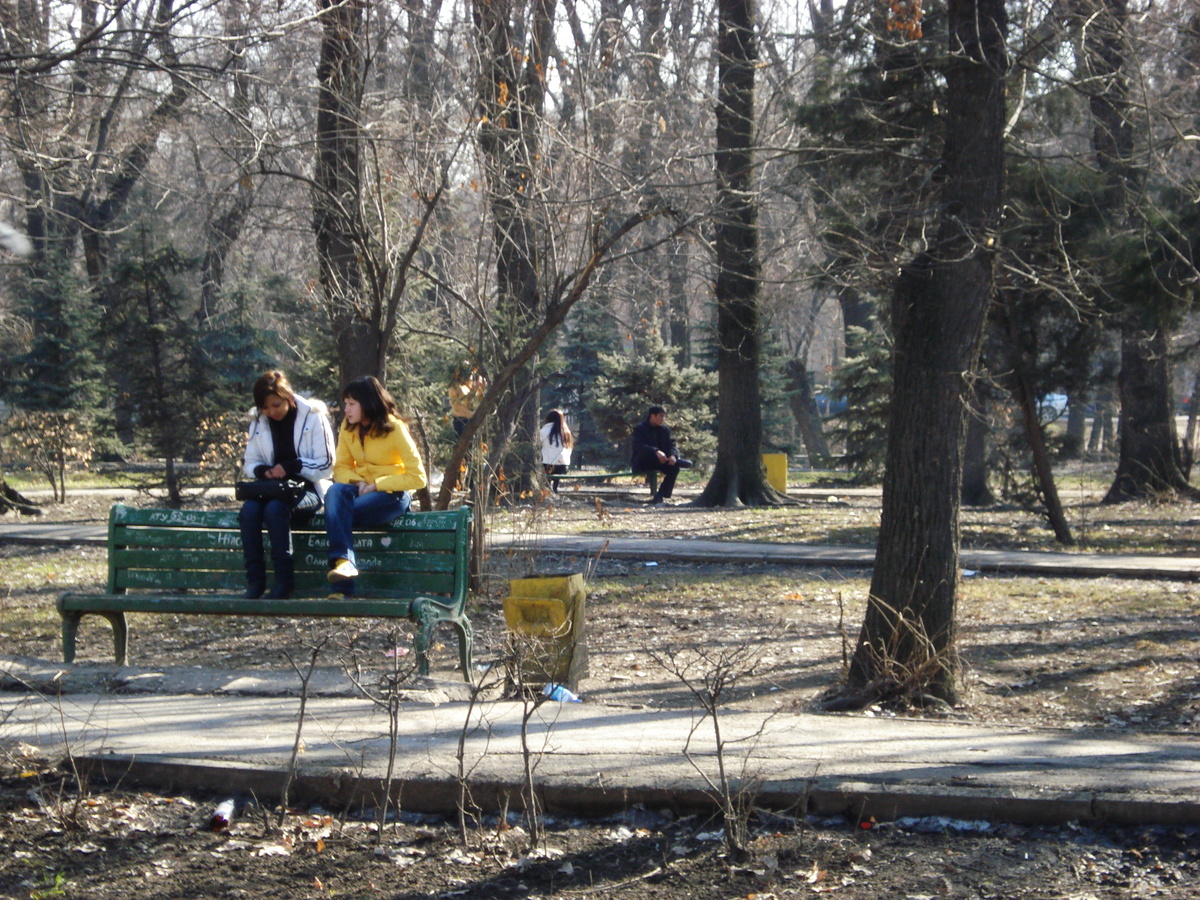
(776, 466)
(546, 615)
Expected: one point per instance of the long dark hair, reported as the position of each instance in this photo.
(378, 407)
(560, 431)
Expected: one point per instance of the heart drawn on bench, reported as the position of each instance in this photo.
(386, 541)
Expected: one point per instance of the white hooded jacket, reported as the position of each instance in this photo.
(313, 436)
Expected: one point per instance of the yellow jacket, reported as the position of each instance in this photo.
(391, 461)
(465, 397)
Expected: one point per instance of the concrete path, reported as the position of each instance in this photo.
(1024, 562)
(234, 732)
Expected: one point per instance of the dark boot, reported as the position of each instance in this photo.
(285, 582)
(250, 520)
(256, 573)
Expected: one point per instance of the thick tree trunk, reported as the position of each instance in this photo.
(906, 646)
(1151, 459)
(1076, 428)
(681, 324)
(976, 489)
(337, 214)
(738, 477)
(1101, 437)
(804, 410)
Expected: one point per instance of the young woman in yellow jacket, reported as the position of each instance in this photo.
(376, 468)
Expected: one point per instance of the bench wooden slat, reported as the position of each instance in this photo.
(404, 542)
(198, 604)
(207, 519)
(190, 562)
(314, 585)
(183, 537)
(234, 579)
(153, 558)
(650, 479)
(592, 476)
(210, 561)
(195, 538)
(438, 563)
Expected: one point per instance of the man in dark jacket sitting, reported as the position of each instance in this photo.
(654, 450)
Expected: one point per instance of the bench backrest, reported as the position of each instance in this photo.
(420, 554)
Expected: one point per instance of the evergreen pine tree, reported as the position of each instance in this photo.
(589, 336)
(60, 367)
(629, 384)
(177, 387)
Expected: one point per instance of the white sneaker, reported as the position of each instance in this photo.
(342, 570)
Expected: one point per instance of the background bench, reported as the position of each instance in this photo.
(577, 477)
(190, 562)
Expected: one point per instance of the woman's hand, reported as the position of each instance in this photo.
(276, 472)
(365, 487)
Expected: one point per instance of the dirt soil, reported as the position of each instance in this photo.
(1083, 653)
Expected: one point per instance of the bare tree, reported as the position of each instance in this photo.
(80, 160)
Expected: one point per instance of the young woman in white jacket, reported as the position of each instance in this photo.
(289, 437)
(557, 442)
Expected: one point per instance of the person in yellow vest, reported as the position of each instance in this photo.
(376, 468)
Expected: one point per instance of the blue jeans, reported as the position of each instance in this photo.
(277, 516)
(345, 510)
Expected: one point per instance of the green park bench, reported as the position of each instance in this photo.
(580, 477)
(190, 562)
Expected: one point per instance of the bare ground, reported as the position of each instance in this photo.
(1094, 653)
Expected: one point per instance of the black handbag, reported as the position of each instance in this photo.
(289, 490)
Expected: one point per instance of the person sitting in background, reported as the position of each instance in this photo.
(654, 450)
(557, 442)
(377, 467)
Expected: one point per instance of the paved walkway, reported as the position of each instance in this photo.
(1025, 562)
(230, 732)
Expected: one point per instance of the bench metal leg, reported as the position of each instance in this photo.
(70, 628)
(466, 642)
(427, 619)
(120, 632)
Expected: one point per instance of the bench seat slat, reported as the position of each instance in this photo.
(234, 580)
(212, 604)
